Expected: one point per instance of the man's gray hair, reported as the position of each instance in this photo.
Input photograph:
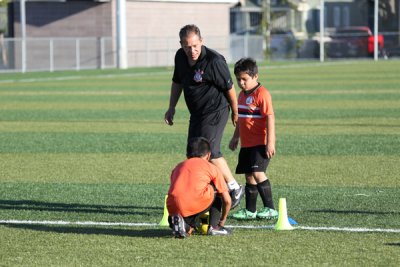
(188, 29)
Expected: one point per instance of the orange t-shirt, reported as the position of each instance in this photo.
(190, 191)
(253, 110)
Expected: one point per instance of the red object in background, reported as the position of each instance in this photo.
(371, 43)
(353, 41)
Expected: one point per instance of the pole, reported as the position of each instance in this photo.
(23, 34)
(376, 5)
(122, 52)
(266, 27)
(322, 31)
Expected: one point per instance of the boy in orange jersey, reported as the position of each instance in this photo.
(256, 131)
(197, 186)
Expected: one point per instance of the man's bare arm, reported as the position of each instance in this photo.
(176, 91)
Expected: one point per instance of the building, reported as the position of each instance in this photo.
(88, 28)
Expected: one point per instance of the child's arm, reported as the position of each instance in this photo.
(235, 139)
(270, 150)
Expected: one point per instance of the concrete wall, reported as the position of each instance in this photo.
(65, 19)
(164, 19)
(155, 26)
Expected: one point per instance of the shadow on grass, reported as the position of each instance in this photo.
(143, 232)
(393, 244)
(354, 212)
(74, 207)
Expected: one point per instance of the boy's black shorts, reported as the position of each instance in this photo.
(252, 159)
(210, 126)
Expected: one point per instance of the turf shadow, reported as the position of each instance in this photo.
(393, 244)
(86, 230)
(75, 207)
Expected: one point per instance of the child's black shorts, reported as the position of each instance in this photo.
(252, 159)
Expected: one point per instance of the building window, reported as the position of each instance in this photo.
(336, 16)
(346, 16)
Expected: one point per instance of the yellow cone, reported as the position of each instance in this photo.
(164, 220)
(283, 221)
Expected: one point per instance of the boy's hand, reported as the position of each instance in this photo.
(233, 143)
(270, 151)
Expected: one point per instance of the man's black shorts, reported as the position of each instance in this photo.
(210, 126)
(252, 159)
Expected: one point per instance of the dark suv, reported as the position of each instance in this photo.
(353, 42)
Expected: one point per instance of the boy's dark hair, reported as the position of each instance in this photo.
(247, 65)
(188, 29)
(197, 147)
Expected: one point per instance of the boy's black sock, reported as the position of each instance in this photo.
(264, 188)
(215, 211)
(251, 197)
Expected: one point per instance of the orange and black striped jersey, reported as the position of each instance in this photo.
(253, 110)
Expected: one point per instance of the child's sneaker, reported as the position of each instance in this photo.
(179, 227)
(267, 213)
(218, 230)
(244, 214)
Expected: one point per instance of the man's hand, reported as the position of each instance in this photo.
(169, 116)
(235, 118)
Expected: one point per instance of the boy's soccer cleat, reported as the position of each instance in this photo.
(244, 214)
(178, 229)
(267, 213)
(218, 230)
(236, 196)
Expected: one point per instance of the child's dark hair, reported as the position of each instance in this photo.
(247, 65)
(197, 147)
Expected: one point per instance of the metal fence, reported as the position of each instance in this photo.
(53, 54)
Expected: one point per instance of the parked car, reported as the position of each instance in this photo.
(353, 42)
(393, 52)
(282, 41)
(283, 44)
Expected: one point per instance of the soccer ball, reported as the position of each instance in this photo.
(203, 229)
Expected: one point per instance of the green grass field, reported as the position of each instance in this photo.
(92, 146)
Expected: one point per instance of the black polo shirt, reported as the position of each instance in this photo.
(204, 83)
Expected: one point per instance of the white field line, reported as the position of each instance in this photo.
(76, 77)
(310, 228)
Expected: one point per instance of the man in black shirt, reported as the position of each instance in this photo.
(203, 76)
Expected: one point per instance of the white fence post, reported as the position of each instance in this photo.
(23, 34)
(51, 54)
(122, 51)
(322, 31)
(78, 54)
(102, 52)
(376, 5)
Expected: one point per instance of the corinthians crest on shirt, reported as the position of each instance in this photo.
(198, 76)
(249, 100)
(248, 109)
